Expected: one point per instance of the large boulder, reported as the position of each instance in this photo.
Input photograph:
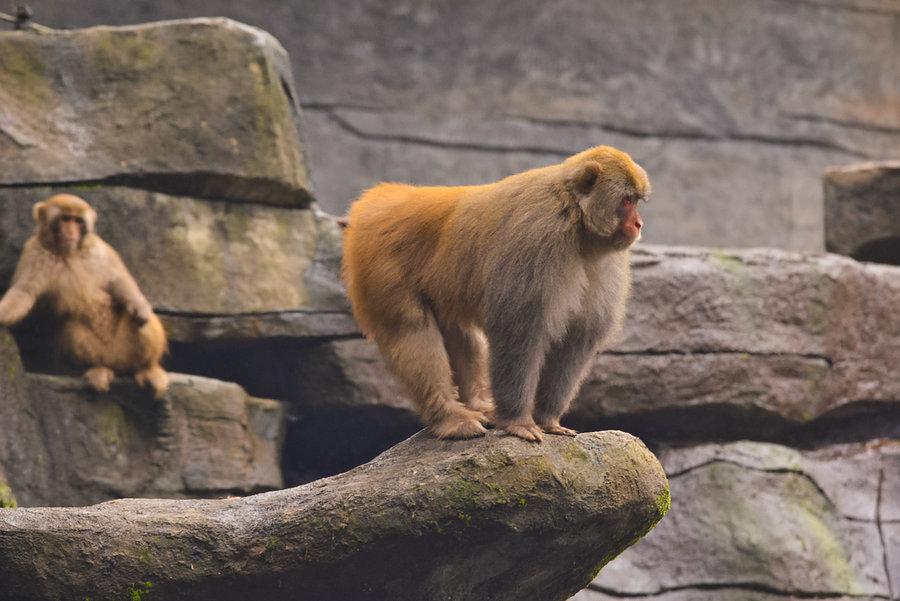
(62, 443)
(754, 521)
(496, 518)
(734, 108)
(127, 104)
(213, 270)
(722, 343)
(760, 333)
(23, 473)
(862, 211)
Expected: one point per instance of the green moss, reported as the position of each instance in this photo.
(574, 452)
(126, 51)
(138, 594)
(6, 496)
(23, 76)
(664, 502)
(80, 186)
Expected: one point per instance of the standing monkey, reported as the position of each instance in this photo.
(488, 302)
(108, 325)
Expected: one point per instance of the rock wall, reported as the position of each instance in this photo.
(794, 352)
(735, 108)
(64, 444)
(215, 223)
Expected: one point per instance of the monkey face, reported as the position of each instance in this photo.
(63, 221)
(69, 231)
(630, 224)
(610, 185)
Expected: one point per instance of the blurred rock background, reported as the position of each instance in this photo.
(765, 379)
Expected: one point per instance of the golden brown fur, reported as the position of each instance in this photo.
(108, 325)
(488, 302)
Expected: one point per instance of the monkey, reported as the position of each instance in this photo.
(107, 324)
(488, 302)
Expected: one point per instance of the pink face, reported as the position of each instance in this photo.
(630, 223)
(71, 229)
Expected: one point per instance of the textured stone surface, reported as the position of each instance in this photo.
(751, 518)
(22, 459)
(789, 334)
(211, 269)
(427, 520)
(126, 104)
(862, 211)
(747, 333)
(734, 108)
(64, 444)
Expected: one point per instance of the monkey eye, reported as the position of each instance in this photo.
(68, 218)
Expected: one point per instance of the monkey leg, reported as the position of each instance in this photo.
(145, 345)
(416, 355)
(468, 353)
(100, 378)
(85, 347)
(516, 355)
(564, 368)
(154, 376)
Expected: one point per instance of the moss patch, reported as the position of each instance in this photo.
(6, 496)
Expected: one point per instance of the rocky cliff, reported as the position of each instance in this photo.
(764, 379)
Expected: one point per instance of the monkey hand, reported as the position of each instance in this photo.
(140, 314)
(15, 305)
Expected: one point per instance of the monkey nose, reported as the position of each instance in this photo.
(638, 223)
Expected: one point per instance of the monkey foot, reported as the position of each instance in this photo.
(483, 402)
(459, 426)
(557, 429)
(156, 377)
(99, 378)
(527, 431)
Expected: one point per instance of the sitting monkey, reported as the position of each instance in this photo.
(107, 324)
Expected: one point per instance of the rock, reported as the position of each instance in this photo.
(707, 108)
(23, 468)
(753, 518)
(862, 215)
(734, 109)
(760, 334)
(494, 518)
(734, 208)
(723, 343)
(126, 105)
(212, 270)
(64, 444)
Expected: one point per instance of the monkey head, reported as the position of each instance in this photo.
(63, 222)
(607, 186)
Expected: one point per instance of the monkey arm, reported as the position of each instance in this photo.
(125, 292)
(29, 282)
(15, 305)
(121, 286)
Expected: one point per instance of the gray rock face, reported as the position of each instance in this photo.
(126, 105)
(862, 211)
(73, 446)
(796, 336)
(735, 109)
(496, 518)
(211, 269)
(750, 520)
(783, 337)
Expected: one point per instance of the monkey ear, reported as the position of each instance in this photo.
(39, 211)
(587, 176)
(90, 218)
